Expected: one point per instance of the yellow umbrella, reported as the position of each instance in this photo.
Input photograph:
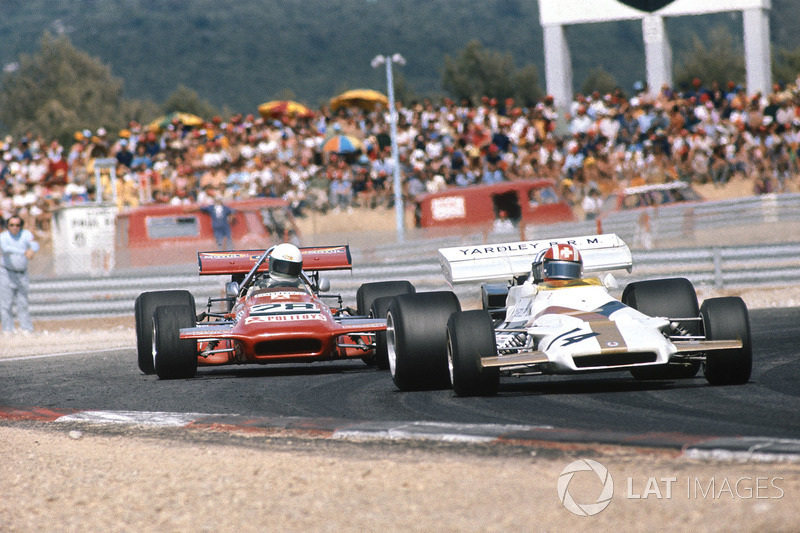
(363, 98)
(284, 108)
(187, 119)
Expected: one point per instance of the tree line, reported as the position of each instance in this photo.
(60, 88)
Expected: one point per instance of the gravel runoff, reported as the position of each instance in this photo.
(58, 477)
(88, 479)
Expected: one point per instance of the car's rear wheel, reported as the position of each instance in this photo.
(672, 298)
(369, 292)
(366, 296)
(416, 339)
(144, 307)
(470, 337)
(727, 319)
(173, 357)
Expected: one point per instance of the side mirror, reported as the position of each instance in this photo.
(610, 282)
(232, 289)
(324, 285)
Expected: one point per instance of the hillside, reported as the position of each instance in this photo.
(239, 53)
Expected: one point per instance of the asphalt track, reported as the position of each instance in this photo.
(349, 399)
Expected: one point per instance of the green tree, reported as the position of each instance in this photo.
(526, 85)
(186, 100)
(721, 61)
(478, 72)
(58, 91)
(786, 65)
(599, 80)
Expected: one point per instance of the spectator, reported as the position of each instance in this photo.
(702, 134)
(221, 220)
(591, 204)
(17, 246)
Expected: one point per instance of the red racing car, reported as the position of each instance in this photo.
(261, 323)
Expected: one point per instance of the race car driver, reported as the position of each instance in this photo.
(285, 265)
(559, 263)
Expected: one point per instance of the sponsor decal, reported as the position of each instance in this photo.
(525, 246)
(283, 318)
(448, 207)
(222, 255)
(277, 295)
(335, 250)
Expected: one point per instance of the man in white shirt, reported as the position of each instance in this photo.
(17, 246)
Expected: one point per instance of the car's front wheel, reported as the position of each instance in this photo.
(173, 357)
(471, 337)
(144, 307)
(727, 319)
(379, 309)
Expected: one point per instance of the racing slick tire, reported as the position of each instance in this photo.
(416, 339)
(727, 318)
(470, 337)
(143, 309)
(671, 297)
(173, 357)
(369, 292)
(379, 308)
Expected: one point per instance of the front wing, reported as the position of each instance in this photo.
(536, 357)
(344, 326)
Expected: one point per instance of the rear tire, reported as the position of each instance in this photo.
(674, 298)
(727, 319)
(416, 339)
(173, 357)
(470, 337)
(369, 292)
(143, 309)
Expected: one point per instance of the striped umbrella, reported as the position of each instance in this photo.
(342, 144)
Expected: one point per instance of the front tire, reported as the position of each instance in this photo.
(674, 298)
(173, 357)
(416, 339)
(379, 309)
(727, 319)
(143, 309)
(470, 337)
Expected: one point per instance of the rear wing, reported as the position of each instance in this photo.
(241, 262)
(503, 262)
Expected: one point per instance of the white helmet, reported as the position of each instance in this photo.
(285, 262)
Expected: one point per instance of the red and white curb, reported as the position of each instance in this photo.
(692, 446)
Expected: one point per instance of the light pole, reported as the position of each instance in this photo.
(398, 184)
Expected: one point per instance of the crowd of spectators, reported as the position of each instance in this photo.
(708, 134)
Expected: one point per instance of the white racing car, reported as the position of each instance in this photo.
(548, 317)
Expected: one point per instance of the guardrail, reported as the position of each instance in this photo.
(717, 267)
